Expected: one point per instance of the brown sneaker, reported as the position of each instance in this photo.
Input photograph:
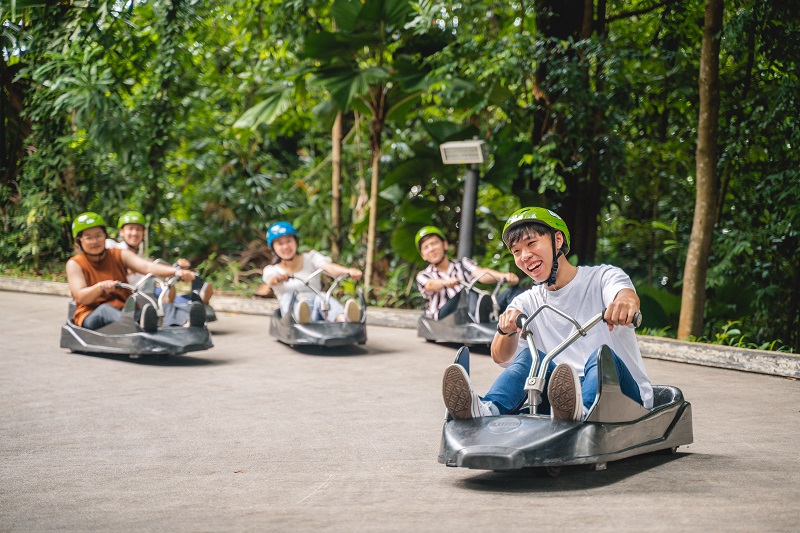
(564, 393)
(459, 396)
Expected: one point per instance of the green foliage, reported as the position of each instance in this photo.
(730, 334)
(214, 119)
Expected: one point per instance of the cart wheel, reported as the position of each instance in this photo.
(553, 471)
(671, 451)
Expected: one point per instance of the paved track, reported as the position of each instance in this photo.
(252, 435)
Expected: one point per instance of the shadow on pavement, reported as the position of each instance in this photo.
(475, 349)
(336, 351)
(155, 360)
(570, 478)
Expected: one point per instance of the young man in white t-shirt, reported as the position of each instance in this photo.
(539, 240)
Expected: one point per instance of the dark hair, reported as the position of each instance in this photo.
(275, 257)
(523, 230)
(518, 233)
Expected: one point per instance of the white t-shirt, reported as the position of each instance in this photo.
(591, 291)
(311, 261)
(133, 277)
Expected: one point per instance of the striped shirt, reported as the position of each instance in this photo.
(461, 269)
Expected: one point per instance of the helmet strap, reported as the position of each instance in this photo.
(551, 280)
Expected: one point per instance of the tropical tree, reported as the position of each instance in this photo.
(694, 278)
(367, 64)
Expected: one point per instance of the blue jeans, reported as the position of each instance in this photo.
(507, 391)
(504, 298)
(174, 315)
(189, 297)
(104, 314)
(315, 302)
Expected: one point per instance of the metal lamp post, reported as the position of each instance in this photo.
(470, 153)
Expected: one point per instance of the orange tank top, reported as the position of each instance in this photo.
(109, 267)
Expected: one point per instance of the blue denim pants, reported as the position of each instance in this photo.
(315, 302)
(507, 391)
(174, 315)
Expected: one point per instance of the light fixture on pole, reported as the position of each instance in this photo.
(470, 153)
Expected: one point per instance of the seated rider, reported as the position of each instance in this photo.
(440, 281)
(132, 228)
(539, 241)
(94, 272)
(282, 238)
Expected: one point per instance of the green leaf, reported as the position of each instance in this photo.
(277, 102)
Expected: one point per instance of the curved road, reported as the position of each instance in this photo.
(252, 435)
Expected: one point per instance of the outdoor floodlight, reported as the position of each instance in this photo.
(469, 153)
(464, 152)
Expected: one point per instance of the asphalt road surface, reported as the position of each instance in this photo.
(253, 435)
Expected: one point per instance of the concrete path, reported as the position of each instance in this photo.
(254, 436)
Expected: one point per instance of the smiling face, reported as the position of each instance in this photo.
(433, 249)
(285, 247)
(533, 254)
(93, 240)
(132, 234)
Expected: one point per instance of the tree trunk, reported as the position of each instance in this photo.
(695, 271)
(378, 107)
(373, 215)
(336, 187)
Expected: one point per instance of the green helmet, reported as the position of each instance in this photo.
(131, 217)
(85, 221)
(428, 230)
(541, 215)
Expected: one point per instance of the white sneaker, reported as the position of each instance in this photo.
(352, 312)
(459, 396)
(303, 312)
(564, 393)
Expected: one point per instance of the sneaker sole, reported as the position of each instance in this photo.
(149, 319)
(303, 313)
(457, 395)
(352, 312)
(562, 394)
(197, 315)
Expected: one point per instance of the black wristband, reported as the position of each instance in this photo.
(503, 333)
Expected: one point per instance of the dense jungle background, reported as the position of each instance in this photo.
(217, 119)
